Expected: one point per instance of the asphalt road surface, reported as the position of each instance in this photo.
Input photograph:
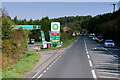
(85, 59)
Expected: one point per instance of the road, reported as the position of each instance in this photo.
(85, 59)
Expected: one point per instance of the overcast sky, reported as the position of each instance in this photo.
(60, 0)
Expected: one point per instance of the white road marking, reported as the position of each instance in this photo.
(40, 76)
(90, 62)
(50, 66)
(44, 71)
(87, 52)
(94, 74)
(52, 63)
(88, 56)
(47, 68)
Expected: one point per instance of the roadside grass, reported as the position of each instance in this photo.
(38, 42)
(65, 44)
(24, 65)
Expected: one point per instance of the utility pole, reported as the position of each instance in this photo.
(119, 5)
(113, 6)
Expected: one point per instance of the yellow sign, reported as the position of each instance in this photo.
(55, 40)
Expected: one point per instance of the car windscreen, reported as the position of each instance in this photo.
(109, 41)
(100, 37)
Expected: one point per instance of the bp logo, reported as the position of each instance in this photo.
(55, 26)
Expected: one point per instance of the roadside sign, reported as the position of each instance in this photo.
(50, 37)
(43, 36)
(55, 29)
(29, 27)
(55, 26)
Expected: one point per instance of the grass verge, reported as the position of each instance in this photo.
(38, 42)
(65, 44)
(24, 65)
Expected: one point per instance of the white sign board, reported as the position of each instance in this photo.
(55, 26)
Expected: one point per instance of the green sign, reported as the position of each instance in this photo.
(43, 36)
(26, 26)
(55, 31)
(50, 37)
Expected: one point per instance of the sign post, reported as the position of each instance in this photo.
(43, 40)
(55, 31)
(50, 37)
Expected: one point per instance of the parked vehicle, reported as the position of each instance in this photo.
(32, 41)
(95, 38)
(92, 35)
(100, 39)
(109, 43)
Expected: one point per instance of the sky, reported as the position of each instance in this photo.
(37, 10)
(60, 0)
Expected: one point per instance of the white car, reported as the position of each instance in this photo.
(32, 41)
(109, 43)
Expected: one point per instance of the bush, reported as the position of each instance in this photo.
(12, 49)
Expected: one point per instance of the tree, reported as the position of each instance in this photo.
(15, 20)
(30, 22)
(46, 26)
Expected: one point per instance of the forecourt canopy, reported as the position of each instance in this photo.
(26, 26)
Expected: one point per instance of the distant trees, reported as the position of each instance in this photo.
(107, 25)
(45, 23)
(76, 23)
(6, 30)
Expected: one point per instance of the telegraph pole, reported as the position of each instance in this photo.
(113, 6)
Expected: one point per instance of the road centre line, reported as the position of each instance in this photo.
(53, 62)
(87, 52)
(50, 65)
(93, 73)
(44, 71)
(47, 68)
(88, 56)
(90, 62)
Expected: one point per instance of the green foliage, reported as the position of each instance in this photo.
(66, 43)
(46, 27)
(6, 30)
(13, 42)
(15, 20)
(76, 23)
(107, 25)
(24, 65)
(13, 47)
(35, 34)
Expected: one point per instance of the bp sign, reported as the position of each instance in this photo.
(55, 31)
(55, 26)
